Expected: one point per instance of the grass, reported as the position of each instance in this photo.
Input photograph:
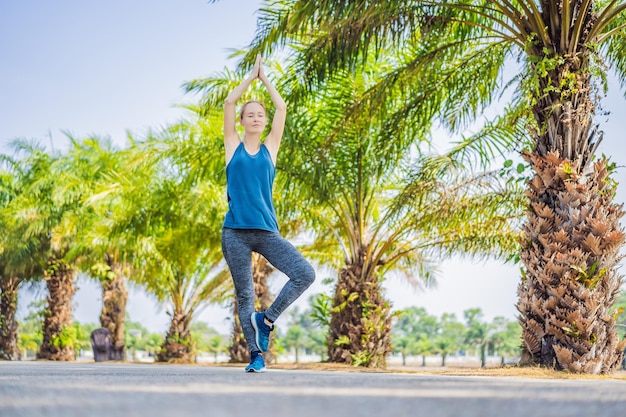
(523, 372)
(505, 371)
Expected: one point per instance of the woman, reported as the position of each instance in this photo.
(250, 224)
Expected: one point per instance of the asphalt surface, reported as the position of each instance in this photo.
(116, 390)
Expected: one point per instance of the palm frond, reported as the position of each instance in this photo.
(494, 139)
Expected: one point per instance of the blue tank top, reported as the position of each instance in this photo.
(249, 184)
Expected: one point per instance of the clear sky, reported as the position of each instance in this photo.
(109, 67)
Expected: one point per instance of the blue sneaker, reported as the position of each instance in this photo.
(261, 331)
(257, 364)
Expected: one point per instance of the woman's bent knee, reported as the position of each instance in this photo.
(308, 275)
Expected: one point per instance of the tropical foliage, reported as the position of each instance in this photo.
(457, 53)
(137, 337)
(418, 333)
(175, 216)
(367, 83)
(87, 166)
(303, 334)
(379, 204)
(9, 279)
(44, 218)
(414, 333)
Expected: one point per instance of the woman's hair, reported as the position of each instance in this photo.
(243, 108)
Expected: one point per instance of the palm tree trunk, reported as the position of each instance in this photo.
(360, 323)
(178, 346)
(571, 245)
(59, 279)
(8, 325)
(113, 314)
(483, 355)
(572, 235)
(238, 350)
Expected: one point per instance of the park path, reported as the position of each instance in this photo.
(36, 388)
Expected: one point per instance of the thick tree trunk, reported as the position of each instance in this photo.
(55, 346)
(360, 323)
(113, 314)
(178, 346)
(8, 325)
(238, 350)
(572, 236)
(570, 251)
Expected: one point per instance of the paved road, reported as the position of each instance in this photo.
(128, 390)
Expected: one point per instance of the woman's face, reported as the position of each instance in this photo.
(253, 118)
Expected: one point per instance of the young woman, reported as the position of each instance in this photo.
(250, 224)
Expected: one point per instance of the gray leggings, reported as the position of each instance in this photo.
(237, 246)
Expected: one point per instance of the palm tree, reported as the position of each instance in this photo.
(450, 337)
(238, 348)
(8, 324)
(506, 338)
(416, 330)
(174, 217)
(572, 236)
(113, 274)
(380, 209)
(87, 167)
(403, 344)
(356, 215)
(479, 333)
(9, 278)
(208, 340)
(42, 215)
(22, 252)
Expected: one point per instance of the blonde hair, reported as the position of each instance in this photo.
(243, 108)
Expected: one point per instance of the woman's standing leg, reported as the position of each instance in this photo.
(238, 255)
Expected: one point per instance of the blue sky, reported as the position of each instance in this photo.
(108, 67)
(104, 67)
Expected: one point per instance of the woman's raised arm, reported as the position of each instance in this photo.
(231, 138)
(280, 115)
